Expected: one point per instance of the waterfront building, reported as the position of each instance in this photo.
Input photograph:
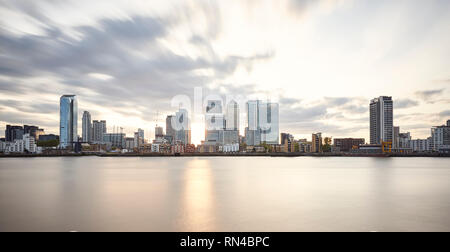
(381, 120)
(129, 144)
(68, 128)
(34, 131)
(230, 148)
(404, 140)
(98, 128)
(155, 148)
(316, 143)
(87, 127)
(287, 142)
(13, 132)
(29, 143)
(347, 144)
(117, 140)
(440, 136)
(420, 145)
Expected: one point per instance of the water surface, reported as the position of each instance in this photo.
(224, 194)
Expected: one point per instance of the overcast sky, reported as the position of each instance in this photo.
(323, 60)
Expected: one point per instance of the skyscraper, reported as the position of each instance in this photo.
(170, 131)
(381, 120)
(87, 127)
(68, 127)
(214, 122)
(263, 123)
(159, 133)
(269, 122)
(98, 129)
(181, 125)
(232, 116)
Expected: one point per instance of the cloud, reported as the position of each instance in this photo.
(427, 95)
(445, 113)
(405, 103)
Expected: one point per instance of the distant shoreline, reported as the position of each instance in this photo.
(224, 155)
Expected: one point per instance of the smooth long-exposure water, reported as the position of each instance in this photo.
(224, 194)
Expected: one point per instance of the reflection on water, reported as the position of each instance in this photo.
(197, 200)
(224, 194)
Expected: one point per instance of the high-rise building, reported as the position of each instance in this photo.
(232, 116)
(316, 142)
(214, 122)
(263, 123)
(87, 127)
(98, 129)
(13, 132)
(181, 124)
(68, 127)
(170, 131)
(381, 120)
(269, 123)
(159, 133)
(395, 138)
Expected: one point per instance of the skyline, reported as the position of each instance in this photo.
(321, 61)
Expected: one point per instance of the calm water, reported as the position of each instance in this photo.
(225, 194)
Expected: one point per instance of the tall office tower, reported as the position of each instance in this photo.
(68, 126)
(269, 122)
(214, 122)
(13, 132)
(141, 134)
(232, 116)
(87, 127)
(252, 134)
(170, 131)
(159, 133)
(98, 129)
(263, 123)
(181, 125)
(448, 123)
(316, 142)
(381, 120)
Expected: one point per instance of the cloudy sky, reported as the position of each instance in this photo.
(323, 60)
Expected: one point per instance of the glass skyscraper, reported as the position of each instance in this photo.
(68, 127)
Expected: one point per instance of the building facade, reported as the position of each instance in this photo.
(87, 127)
(381, 120)
(316, 143)
(98, 129)
(68, 127)
(347, 144)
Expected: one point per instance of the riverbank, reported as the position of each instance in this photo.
(224, 155)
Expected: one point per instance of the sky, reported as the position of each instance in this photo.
(322, 60)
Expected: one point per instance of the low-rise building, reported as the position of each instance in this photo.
(231, 148)
(420, 145)
(347, 144)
